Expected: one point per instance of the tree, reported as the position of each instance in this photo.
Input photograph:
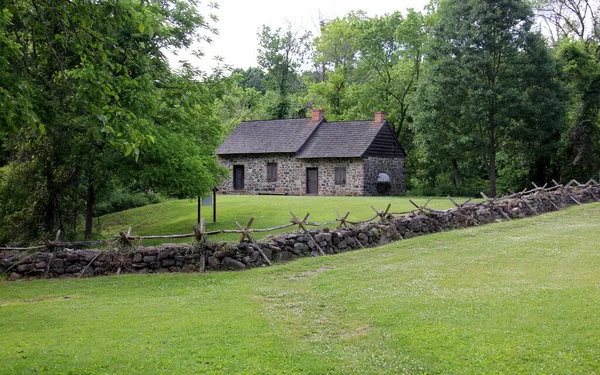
(370, 64)
(390, 66)
(581, 151)
(337, 53)
(281, 54)
(570, 18)
(251, 78)
(489, 83)
(93, 80)
(575, 28)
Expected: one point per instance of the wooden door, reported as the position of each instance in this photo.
(238, 177)
(312, 181)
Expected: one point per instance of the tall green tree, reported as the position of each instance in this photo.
(575, 29)
(281, 54)
(581, 151)
(489, 86)
(92, 79)
(336, 53)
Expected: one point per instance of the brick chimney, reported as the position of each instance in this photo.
(379, 117)
(317, 115)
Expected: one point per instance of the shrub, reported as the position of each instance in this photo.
(121, 199)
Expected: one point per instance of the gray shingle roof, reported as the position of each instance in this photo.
(309, 139)
(272, 136)
(340, 139)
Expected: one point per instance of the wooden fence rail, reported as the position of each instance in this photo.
(200, 232)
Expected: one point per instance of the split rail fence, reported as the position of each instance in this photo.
(200, 234)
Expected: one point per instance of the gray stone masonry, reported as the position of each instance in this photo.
(361, 174)
(393, 167)
(281, 247)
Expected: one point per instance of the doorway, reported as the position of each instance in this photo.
(238, 177)
(312, 181)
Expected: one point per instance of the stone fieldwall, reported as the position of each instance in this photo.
(282, 247)
(393, 167)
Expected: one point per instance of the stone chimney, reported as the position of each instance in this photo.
(317, 115)
(379, 117)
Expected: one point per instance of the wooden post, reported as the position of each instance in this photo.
(341, 219)
(301, 226)
(246, 234)
(48, 244)
(202, 245)
(199, 209)
(199, 230)
(383, 214)
(125, 239)
(215, 204)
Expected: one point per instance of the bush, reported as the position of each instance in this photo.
(120, 200)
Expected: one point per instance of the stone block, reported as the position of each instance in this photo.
(162, 255)
(232, 264)
(213, 263)
(283, 256)
(75, 268)
(25, 268)
(89, 256)
(14, 276)
(227, 252)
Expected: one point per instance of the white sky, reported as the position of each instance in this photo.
(240, 20)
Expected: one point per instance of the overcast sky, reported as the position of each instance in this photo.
(240, 20)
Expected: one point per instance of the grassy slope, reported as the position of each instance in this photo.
(515, 297)
(178, 216)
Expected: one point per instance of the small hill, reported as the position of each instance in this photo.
(178, 216)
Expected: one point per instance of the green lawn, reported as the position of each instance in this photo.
(178, 216)
(518, 297)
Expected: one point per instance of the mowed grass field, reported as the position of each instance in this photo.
(518, 297)
(178, 216)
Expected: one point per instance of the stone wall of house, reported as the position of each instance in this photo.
(393, 167)
(289, 177)
(282, 247)
(354, 175)
(291, 174)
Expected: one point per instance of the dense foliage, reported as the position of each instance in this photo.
(89, 103)
(483, 95)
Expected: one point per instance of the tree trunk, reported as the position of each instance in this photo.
(492, 177)
(89, 211)
(492, 163)
(50, 204)
(455, 174)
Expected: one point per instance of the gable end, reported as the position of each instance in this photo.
(385, 144)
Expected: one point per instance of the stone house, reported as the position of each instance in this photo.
(311, 156)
